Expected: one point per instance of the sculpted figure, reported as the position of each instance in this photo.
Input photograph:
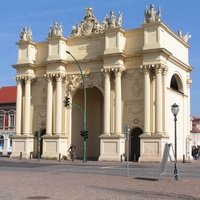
(55, 30)
(88, 21)
(185, 37)
(90, 25)
(151, 15)
(112, 19)
(25, 34)
(119, 19)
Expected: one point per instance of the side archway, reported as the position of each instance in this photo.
(135, 143)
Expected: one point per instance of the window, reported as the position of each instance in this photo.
(11, 120)
(10, 138)
(1, 142)
(176, 83)
(1, 121)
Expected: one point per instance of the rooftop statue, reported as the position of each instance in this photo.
(90, 25)
(55, 30)
(150, 15)
(185, 37)
(25, 34)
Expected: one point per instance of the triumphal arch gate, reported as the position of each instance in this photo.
(129, 77)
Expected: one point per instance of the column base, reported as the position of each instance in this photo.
(112, 148)
(152, 147)
(53, 146)
(22, 144)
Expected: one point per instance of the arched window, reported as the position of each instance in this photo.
(176, 83)
(1, 141)
(10, 138)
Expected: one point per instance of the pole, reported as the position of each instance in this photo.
(127, 158)
(84, 109)
(175, 144)
(127, 148)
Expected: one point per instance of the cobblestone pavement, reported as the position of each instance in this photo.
(56, 185)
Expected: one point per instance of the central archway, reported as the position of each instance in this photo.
(94, 122)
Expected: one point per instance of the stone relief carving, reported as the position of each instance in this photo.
(185, 37)
(25, 34)
(90, 25)
(55, 30)
(72, 83)
(150, 15)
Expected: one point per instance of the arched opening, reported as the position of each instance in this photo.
(135, 144)
(1, 143)
(176, 83)
(94, 122)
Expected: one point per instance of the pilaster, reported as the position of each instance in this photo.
(118, 99)
(106, 101)
(19, 107)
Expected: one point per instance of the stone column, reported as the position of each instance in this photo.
(19, 108)
(107, 101)
(49, 105)
(147, 116)
(27, 105)
(165, 103)
(158, 120)
(58, 104)
(118, 101)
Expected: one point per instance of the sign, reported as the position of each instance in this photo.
(165, 159)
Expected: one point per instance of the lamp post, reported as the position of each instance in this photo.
(84, 110)
(175, 110)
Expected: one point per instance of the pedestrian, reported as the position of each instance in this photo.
(196, 153)
(193, 151)
(72, 151)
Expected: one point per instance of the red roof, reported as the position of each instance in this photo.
(195, 124)
(8, 94)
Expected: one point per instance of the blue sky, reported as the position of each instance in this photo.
(40, 14)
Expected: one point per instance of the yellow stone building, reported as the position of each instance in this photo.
(131, 76)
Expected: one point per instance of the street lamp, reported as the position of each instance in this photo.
(175, 110)
(84, 132)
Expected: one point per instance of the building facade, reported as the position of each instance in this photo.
(131, 76)
(7, 118)
(195, 131)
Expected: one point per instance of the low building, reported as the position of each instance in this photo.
(195, 132)
(129, 77)
(7, 118)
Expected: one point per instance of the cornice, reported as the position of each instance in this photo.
(25, 65)
(157, 50)
(22, 42)
(47, 62)
(169, 57)
(111, 55)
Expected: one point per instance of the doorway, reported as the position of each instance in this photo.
(135, 144)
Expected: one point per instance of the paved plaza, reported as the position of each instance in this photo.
(30, 179)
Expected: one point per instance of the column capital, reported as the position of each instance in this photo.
(118, 71)
(49, 76)
(165, 70)
(59, 77)
(106, 72)
(27, 78)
